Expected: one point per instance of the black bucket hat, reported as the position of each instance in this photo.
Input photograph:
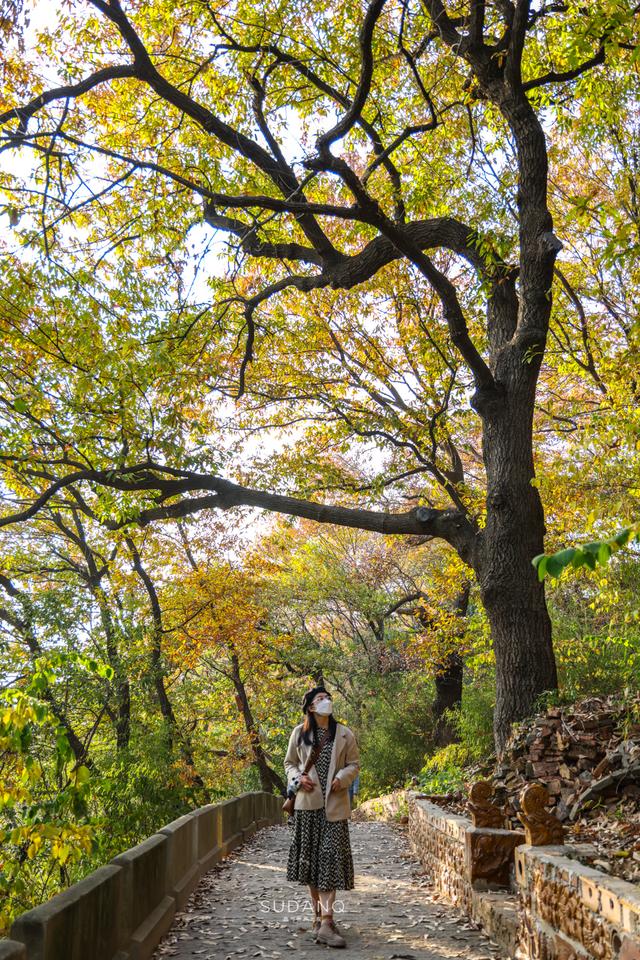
(310, 694)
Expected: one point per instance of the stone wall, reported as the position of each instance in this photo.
(536, 903)
(439, 840)
(471, 867)
(11, 950)
(571, 911)
(122, 910)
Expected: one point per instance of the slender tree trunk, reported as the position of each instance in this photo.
(121, 681)
(157, 670)
(448, 683)
(269, 779)
(92, 576)
(24, 626)
(448, 679)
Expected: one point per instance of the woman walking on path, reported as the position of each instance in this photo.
(320, 852)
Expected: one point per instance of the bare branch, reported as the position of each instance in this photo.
(563, 76)
(343, 126)
(476, 22)
(442, 22)
(517, 33)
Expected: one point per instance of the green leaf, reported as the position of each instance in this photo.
(604, 553)
(83, 775)
(541, 565)
(554, 566)
(592, 548)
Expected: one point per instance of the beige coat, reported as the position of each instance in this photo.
(345, 764)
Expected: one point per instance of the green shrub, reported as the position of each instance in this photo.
(393, 735)
(443, 772)
(139, 790)
(473, 722)
(596, 630)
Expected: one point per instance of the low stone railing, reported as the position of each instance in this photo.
(122, 910)
(391, 806)
(471, 866)
(571, 910)
(535, 902)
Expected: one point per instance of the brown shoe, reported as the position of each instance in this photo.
(316, 925)
(328, 934)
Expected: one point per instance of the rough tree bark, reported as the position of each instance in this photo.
(517, 327)
(269, 779)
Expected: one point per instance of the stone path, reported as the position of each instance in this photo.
(245, 908)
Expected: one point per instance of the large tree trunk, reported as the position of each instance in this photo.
(518, 323)
(511, 593)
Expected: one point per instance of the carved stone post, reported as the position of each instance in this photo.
(542, 828)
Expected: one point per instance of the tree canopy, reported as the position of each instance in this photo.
(372, 266)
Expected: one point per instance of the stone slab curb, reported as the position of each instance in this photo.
(85, 919)
(183, 871)
(150, 910)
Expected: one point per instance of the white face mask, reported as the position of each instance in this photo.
(324, 707)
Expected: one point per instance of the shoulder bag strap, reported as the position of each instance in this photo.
(315, 753)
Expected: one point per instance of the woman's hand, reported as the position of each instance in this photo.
(336, 784)
(306, 782)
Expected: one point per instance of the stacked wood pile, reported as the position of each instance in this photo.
(588, 757)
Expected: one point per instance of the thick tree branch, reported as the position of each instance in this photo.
(283, 178)
(165, 482)
(252, 245)
(517, 33)
(563, 76)
(144, 70)
(321, 84)
(453, 313)
(476, 22)
(444, 25)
